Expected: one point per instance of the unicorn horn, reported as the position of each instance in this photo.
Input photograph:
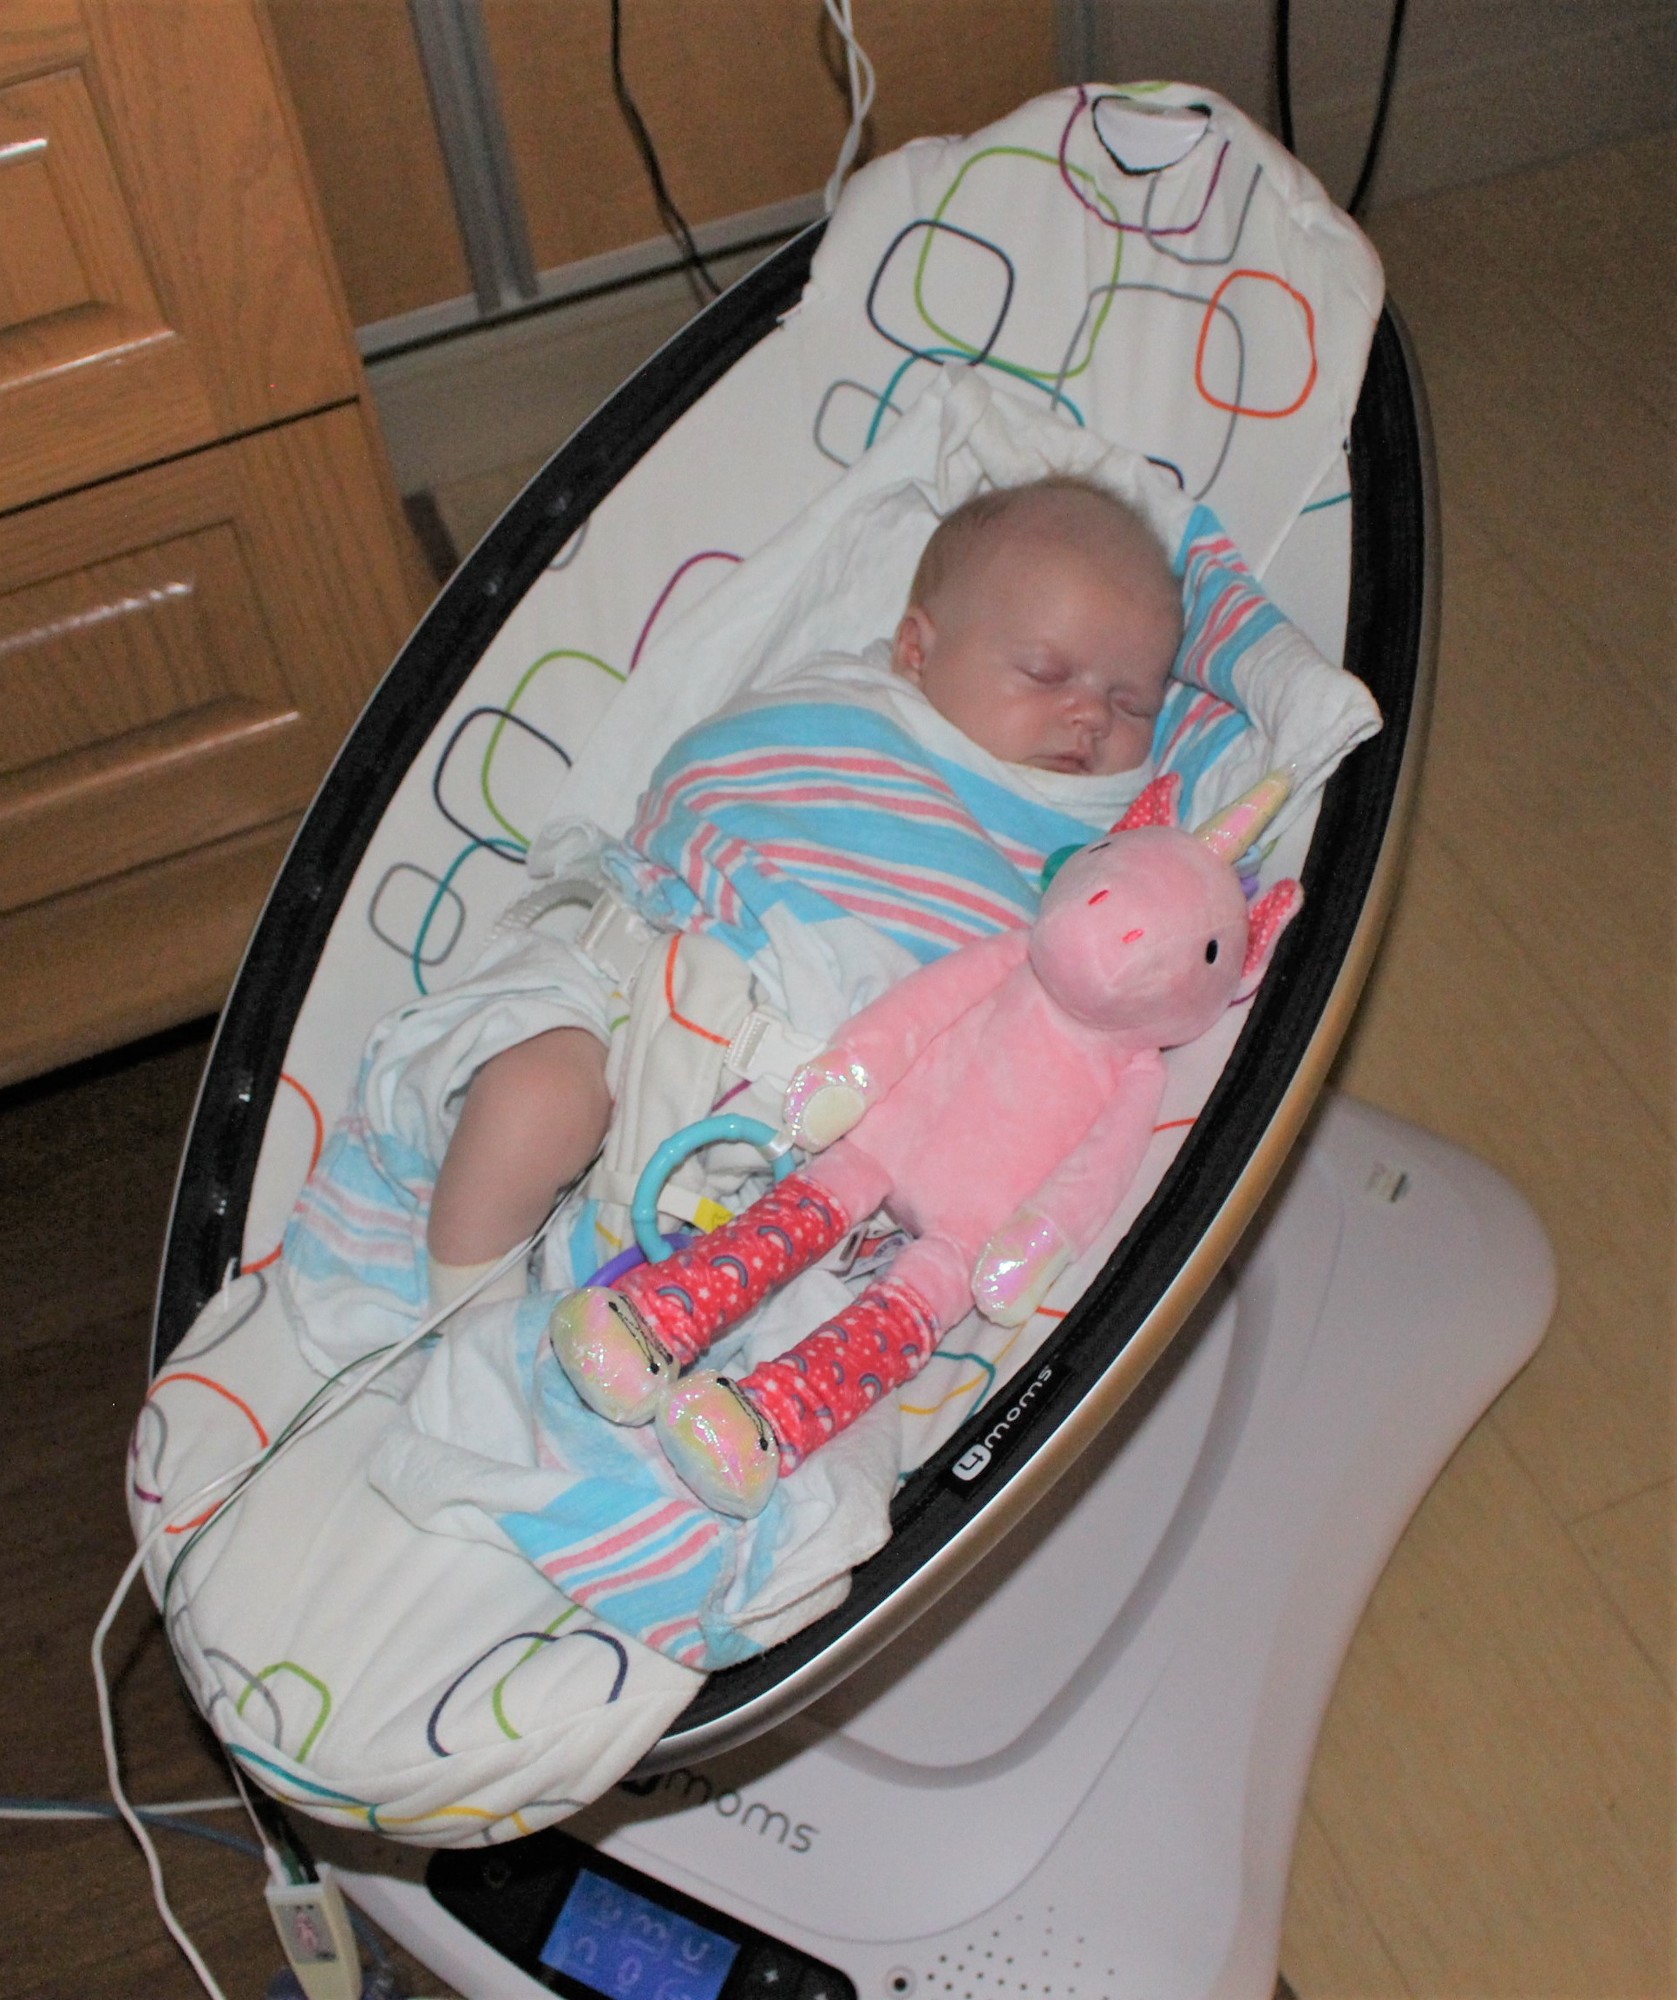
(1232, 831)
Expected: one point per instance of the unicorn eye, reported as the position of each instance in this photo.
(1211, 952)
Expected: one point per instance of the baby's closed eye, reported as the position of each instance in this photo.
(1046, 673)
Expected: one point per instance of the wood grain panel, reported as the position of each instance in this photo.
(735, 93)
(744, 99)
(336, 595)
(165, 282)
(74, 279)
(362, 108)
(182, 651)
(954, 65)
(45, 276)
(79, 317)
(228, 764)
(146, 708)
(125, 643)
(125, 958)
(38, 35)
(205, 146)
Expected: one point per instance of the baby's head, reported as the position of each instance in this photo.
(1042, 622)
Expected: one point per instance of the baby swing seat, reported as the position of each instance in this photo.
(1139, 265)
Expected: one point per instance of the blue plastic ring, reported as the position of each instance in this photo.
(678, 1147)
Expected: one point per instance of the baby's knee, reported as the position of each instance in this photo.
(553, 1080)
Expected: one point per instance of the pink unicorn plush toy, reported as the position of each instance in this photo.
(996, 1104)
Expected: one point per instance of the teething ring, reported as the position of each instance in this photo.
(682, 1145)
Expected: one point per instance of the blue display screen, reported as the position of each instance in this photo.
(626, 1947)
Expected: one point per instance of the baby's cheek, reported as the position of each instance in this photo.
(1128, 743)
(1007, 726)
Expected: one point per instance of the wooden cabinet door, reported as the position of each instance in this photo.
(181, 652)
(161, 279)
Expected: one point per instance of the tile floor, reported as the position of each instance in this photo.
(1491, 1810)
(1490, 1814)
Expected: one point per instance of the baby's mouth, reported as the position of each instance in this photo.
(1065, 760)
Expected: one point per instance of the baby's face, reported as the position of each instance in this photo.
(1044, 656)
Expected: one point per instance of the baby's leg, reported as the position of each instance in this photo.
(533, 1118)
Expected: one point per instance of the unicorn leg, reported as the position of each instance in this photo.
(730, 1441)
(623, 1347)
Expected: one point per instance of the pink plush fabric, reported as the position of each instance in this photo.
(1002, 1100)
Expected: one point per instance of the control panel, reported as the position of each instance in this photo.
(593, 1928)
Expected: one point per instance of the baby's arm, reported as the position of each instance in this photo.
(1058, 1223)
(873, 1052)
(533, 1118)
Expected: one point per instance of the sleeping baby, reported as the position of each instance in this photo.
(902, 801)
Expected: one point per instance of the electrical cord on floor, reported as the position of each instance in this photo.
(1382, 104)
(173, 1817)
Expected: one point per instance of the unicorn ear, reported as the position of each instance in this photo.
(1154, 804)
(1267, 919)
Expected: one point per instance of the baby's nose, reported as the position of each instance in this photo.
(1086, 707)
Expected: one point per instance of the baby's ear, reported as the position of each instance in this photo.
(911, 645)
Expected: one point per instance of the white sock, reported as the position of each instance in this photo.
(449, 1281)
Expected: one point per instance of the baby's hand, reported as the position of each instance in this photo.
(824, 1099)
(1017, 1267)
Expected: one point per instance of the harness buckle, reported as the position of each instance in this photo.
(767, 1048)
(616, 938)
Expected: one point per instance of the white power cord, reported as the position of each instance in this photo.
(860, 72)
(239, 1476)
(167, 1809)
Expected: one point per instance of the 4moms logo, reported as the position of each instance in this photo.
(695, 1788)
(977, 1458)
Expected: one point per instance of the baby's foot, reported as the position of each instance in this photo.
(615, 1362)
(720, 1444)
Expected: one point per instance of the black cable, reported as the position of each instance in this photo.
(1382, 105)
(673, 219)
(1284, 70)
(1388, 76)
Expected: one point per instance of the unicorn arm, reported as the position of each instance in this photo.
(1021, 1261)
(875, 1050)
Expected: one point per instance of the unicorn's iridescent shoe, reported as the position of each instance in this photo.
(720, 1444)
(615, 1362)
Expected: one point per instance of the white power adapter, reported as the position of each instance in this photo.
(317, 1937)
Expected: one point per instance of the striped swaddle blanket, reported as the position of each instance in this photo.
(833, 803)
(840, 794)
